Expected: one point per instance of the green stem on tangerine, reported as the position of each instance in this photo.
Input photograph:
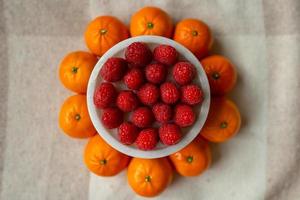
(148, 179)
(194, 33)
(190, 159)
(103, 31)
(216, 75)
(103, 162)
(150, 25)
(224, 125)
(77, 117)
(74, 69)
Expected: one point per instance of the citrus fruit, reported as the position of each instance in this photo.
(223, 121)
(194, 35)
(192, 160)
(104, 32)
(149, 177)
(151, 21)
(74, 118)
(221, 74)
(75, 70)
(102, 159)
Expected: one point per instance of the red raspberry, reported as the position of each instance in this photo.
(191, 94)
(112, 117)
(184, 115)
(105, 95)
(138, 54)
(142, 117)
(134, 79)
(147, 139)
(113, 69)
(148, 94)
(183, 72)
(169, 93)
(162, 112)
(127, 101)
(127, 133)
(165, 54)
(169, 134)
(156, 73)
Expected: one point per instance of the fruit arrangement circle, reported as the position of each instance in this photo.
(103, 36)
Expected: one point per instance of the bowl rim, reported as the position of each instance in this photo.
(135, 152)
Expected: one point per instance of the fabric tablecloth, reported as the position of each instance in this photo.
(261, 37)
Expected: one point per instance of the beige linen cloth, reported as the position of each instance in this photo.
(261, 37)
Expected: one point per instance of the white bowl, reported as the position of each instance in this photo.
(110, 135)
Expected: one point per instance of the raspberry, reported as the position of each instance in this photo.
(127, 133)
(191, 94)
(105, 95)
(165, 54)
(148, 94)
(134, 79)
(169, 93)
(138, 54)
(147, 139)
(142, 117)
(127, 101)
(113, 69)
(184, 115)
(183, 72)
(162, 112)
(169, 134)
(112, 117)
(156, 73)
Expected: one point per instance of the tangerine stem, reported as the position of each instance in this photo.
(103, 31)
(74, 69)
(103, 162)
(150, 25)
(224, 125)
(77, 117)
(194, 33)
(216, 75)
(148, 179)
(190, 159)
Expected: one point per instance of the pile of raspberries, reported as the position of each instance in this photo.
(149, 97)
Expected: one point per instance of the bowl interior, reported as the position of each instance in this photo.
(110, 135)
